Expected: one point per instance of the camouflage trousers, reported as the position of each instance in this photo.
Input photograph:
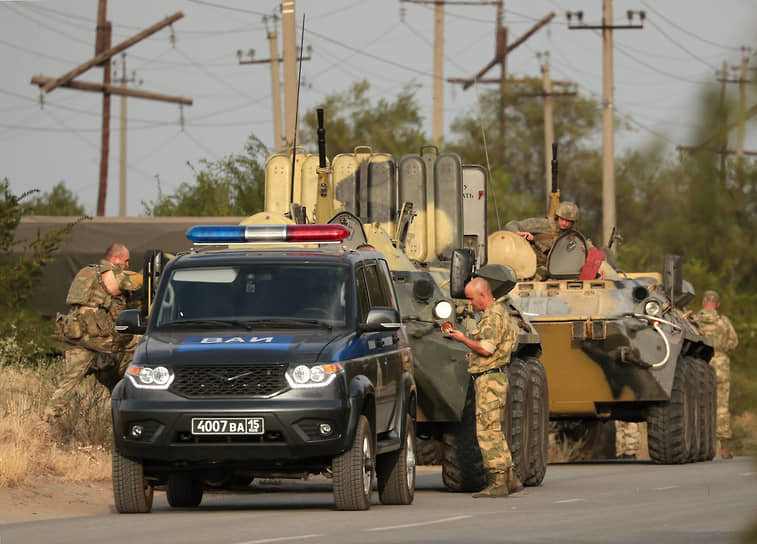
(108, 368)
(491, 394)
(627, 438)
(722, 365)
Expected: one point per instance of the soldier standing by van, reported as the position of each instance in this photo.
(719, 330)
(491, 345)
(96, 296)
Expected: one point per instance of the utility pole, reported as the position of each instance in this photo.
(742, 100)
(274, 61)
(103, 53)
(122, 154)
(608, 105)
(290, 70)
(502, 49)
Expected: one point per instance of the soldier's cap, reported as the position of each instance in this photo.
(711, 296)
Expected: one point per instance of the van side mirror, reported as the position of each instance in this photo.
(130, 322)
(381, 318)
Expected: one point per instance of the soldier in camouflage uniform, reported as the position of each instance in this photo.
(96, 296)
(719, 330)
(491, 344)
(542, 232)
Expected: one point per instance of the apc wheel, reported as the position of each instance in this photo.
(131, 492)
(694, 411)
(353, 470)
(183, 491)
(395, 471)
(538, 443)
(428, 451)
(669, 424)
(462, 464)
(517, 416)
(708, 384)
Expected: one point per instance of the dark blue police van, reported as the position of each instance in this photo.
(260, 362)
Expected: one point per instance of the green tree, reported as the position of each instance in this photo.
(20, 272)
(351, 119)
(230, 186)
(59, 201)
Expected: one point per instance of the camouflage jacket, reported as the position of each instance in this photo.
(497, 334)
(718, 329)
(544, 229)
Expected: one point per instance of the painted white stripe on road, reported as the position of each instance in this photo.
(278, 539)
(666, 487)
(420, 524)
(564, 501)
(747, 473)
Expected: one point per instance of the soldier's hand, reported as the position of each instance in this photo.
(527, 235)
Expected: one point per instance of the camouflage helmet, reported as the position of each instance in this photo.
(711, 296)
(567, 210)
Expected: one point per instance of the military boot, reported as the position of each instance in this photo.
(725, 453)
(497, 487)
(513, 482)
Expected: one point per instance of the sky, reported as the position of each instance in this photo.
(659, 71)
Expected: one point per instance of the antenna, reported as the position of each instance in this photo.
(296, 113)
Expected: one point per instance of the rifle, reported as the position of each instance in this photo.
(554, 197)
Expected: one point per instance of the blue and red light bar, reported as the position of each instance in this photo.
(267, 234)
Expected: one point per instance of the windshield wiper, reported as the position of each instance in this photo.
(286, 322)
(205, 323)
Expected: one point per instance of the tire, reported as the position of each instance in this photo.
(354, 470)
(517, 416)
(428, 451)
(704, 435)
(538, 444)
(693, 409)
(183, 491)
(131, 492)
(711, 407)
(668, 424)
(462, 464)
(395, 471)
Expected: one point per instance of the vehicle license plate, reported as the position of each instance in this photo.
(227, 425)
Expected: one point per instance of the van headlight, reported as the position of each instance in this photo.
(303, 376)
(150, 377)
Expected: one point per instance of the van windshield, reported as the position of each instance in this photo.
(255, 294)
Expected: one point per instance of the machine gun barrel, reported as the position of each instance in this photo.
(554, 197)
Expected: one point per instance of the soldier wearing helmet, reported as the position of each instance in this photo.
(542, 232)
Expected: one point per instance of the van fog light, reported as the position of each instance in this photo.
(136, 431)
(325, 429)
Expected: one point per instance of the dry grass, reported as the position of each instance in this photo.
(73, 450)
(744, 428)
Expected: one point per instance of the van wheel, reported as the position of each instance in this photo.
(131, 492)
(183, 490)
(353, 470)
(396, 470)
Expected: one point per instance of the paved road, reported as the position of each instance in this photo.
(614, 502)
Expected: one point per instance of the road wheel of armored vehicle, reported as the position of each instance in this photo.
(353, 470)
(183, 491)
(516, 422)
(428, 451)
(694, 408)
(712, 409)
(538, 443)
(669, 424)
(707, 410)
(462, 464)
(131, 492)
(395, 471)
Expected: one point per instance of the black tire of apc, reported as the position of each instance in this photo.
(693, 412)
(392, 470)
(667, 422)
(538, 446)
(183, 491)
(704, 433)
(428, 451)
(462, 464)
(710, 410)
(348, 469)
(517, 416)
(131, 492)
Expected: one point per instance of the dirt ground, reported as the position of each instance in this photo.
(46, 500)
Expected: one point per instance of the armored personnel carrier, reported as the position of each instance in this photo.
(617, 346)
(412, 211)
